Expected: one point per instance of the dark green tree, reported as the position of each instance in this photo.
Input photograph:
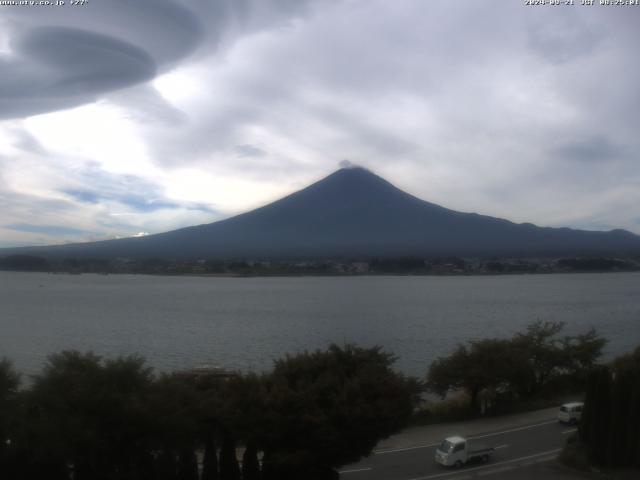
(329, 408)
(9, 384)
(174, 403)
(625, 411)
(609, 430)
(440, 379)
(632, 437)
(586, 427)
(166, 465)
(595, 424)
(485, 365)
(187, 465)
(210, 458)
(250, 464)
(521, 366)
(90, 415)
(550, 355)
(620, 409)
(581, 352)
(229, 468)
(544, 353)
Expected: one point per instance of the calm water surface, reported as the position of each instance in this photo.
(245, 323)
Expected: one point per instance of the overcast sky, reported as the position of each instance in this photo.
(123, 117)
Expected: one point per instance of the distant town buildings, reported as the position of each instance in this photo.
(376, 266)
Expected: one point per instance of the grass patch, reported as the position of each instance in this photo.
(452, 409)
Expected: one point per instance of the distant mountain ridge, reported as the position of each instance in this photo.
(352, 213)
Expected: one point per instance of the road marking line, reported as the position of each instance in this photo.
(500, 446)
(382, 452)
(513, 430)
(570, 431)
(393, 450)
(354, 470)
(549, 452)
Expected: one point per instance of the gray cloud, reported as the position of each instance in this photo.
(524, 113)
(65, 67)
(596, 148)
(80, 61)
(168, 30)
(248, 150)
(52, 230)
(564, 36)
(72, 56)
(25, 141)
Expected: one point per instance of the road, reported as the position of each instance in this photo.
(516, 447)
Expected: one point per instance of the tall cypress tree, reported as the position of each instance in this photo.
(166, 466)
(621, 390)
(610, 425)
(268, 471)
(632, 422)
(229, 469)
(9, 383)
(587, 422)
(187, 465)
(210, 460)
(250, 464)
(601, 418)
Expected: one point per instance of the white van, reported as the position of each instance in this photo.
(570, 412)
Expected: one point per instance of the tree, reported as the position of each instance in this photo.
(602, 401)
(229, 468)
(520, 366)
(250, 464)
(9, 383)
(187, 465)
(231, 410)
(89, 416)
(582, 352)
(450, 373)
(175, 405)
(329, 408)
(621, 394)
(628, 367)
(485, 365)
(549, 356)
(543, 351)
(210, 459)
(610, 424)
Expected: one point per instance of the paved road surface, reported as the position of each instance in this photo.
(517, 446)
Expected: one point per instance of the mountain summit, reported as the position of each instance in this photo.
(353, 213)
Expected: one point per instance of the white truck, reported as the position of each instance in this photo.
(456, 451)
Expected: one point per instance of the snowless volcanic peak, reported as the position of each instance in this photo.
(353, 213)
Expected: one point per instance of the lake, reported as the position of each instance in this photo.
(245, 323)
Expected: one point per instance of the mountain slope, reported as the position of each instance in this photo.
(353, 212)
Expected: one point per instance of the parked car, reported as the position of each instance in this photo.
(570, 412)
(456, 451)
